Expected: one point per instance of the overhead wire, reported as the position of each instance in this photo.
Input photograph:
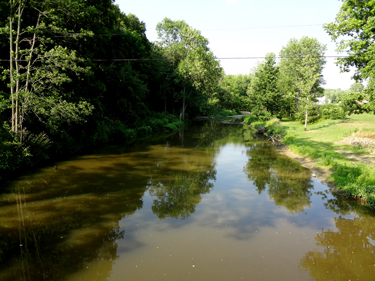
(226, 58)
(219, 29)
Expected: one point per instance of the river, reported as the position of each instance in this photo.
(208, 203)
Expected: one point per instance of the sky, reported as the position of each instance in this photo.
(248, 28)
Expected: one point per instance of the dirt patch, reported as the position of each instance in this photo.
(322, 173)
(367, 159)
(367, 144)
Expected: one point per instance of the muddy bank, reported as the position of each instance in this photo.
(322, 173)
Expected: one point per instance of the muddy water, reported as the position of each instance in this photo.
(210, 203)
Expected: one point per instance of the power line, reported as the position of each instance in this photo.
(264, 27)
(226, 58)
(223, 29)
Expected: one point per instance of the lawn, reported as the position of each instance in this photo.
(352, 168)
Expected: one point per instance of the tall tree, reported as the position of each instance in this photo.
(264, 92)
(37, 67)
(197, 72)
(354, 33)
(301, 67)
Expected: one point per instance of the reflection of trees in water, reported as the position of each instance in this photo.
(179, 195)
(210, 133)
(289, 184)
(343, 205)
(346, 254)
(178, 192)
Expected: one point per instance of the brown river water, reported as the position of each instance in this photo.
(208, 203)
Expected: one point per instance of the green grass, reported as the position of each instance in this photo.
(319, 142)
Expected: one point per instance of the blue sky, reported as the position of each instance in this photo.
(247, 28)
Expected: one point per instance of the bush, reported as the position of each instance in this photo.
(275, 128)
(250, 119)
(224, 112)
(312, 112)
(15, 155)
(258, 124)
(332, 111)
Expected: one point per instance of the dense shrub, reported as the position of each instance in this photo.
(250, 119)
(15, 154)
(275, 128)
(312, 112)
(332, 111)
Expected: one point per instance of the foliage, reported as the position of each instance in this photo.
(250, 119)
(15, 155)
(196, 72)
(232, 92)
(301, 67)
(264, 94)
(275, 128)
(313, 114)
(354, 34)
(333, 95)
(332, 111)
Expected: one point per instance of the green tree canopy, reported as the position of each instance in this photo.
(354, 33)
(301, 67)
(196, 70)
(264, 92)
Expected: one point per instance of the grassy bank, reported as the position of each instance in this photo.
(351, 168)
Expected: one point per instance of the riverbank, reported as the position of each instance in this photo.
(18, 158)
(324, 149)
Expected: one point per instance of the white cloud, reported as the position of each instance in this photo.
(231, 1)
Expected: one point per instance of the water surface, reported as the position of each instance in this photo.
(209, 203)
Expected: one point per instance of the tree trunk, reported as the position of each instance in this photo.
(16, 125)
(298, 97)
(306, 113)
(11, 61)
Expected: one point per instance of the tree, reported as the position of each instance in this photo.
(354, 34)
(264, 92)
(37, 67)
(232, 93)
(197, 72)
(301, 67)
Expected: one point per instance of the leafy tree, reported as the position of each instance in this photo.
(39, 68)
(357, 87)
(232, 93)
(334, 95)
(301, 67)
(264, 92)
(196, 70)
(353, 31)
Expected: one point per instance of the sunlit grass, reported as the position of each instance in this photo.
(321, 142)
